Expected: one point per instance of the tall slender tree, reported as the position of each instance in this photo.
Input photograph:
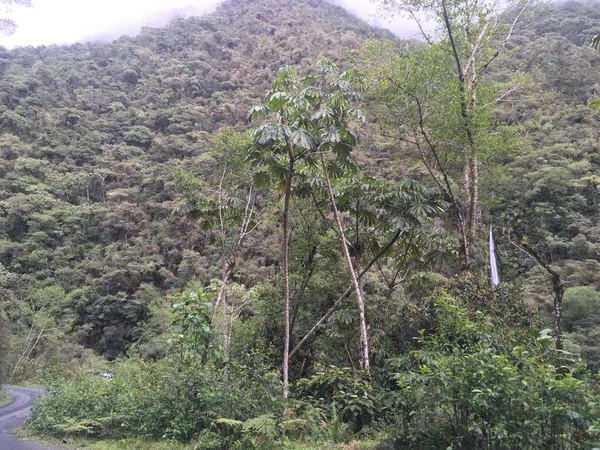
(279, 147)
(333, 138)
(311, 142)
(311, 116)
(229, 209)
(450, 126)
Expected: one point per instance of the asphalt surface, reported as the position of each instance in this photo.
(13, 415)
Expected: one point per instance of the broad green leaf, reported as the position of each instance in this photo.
(354, 113)
(348, 136)
(256, 112)
(313, 93)
(277, 100)
(329, 135)
(303, 139)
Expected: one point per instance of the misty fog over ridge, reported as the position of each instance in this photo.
(70, 21)
(154, 19)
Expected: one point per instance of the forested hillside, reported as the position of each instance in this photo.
(327, 241)
(92, 135)
(548, 192)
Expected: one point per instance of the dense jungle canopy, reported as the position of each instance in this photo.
(135, 200)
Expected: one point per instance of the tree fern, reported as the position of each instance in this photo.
(263, 426)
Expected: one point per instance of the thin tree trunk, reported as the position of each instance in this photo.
(26, 349)
(286, 274)
(231, 319)
(465, 248)
(225, 274)
(472, 188)
(474, 198)
(39, 336)
(364, 340)
(225, 327)
(342, 297)
(466, 181)
(559, 290)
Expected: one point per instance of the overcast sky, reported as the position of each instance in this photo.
(69, 21)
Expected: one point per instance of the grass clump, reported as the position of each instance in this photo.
(5, 398)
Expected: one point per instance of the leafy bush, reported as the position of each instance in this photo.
(472, 386)
(341, 390)
(505, 304)
(153, 399)
(141, 399)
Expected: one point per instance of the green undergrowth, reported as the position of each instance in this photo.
(470, 384)
(128, 444)
(147, 444)
(5, 398)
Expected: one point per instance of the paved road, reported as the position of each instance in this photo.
(13, 415)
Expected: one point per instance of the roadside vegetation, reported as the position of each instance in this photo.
(470, 372)
(5, 397)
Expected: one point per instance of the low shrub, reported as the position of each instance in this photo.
(140, 399)
(153, 399)
(341, 391)
(472, 386)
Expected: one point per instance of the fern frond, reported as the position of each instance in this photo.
(232, 423)
(263, 425)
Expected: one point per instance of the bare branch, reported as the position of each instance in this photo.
(452, 43)
(418, 22)
(473, 56)
(345, 295)
(506, 39)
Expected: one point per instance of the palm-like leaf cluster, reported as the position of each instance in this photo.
(311, 116)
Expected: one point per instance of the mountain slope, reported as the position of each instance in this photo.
(91, 137)
(549, 195)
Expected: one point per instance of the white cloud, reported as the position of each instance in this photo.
(68, 21)
(369, 12)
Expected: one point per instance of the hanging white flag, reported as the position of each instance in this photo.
(494, 268)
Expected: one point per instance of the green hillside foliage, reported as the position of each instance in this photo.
(185, 258)
(92, 136)
(547, 190)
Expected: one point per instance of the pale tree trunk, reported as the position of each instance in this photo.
(364, 340)
(471, 203)
(465, 249)
(228, 337)
(469, 181)
(225, 274)
(27, 351)
(225, 326)
(474, 199)
(228, 267)
(286, 274)
(222, 300)
(471, 61)
(466, 181)
(345, 295)
(465, 225)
